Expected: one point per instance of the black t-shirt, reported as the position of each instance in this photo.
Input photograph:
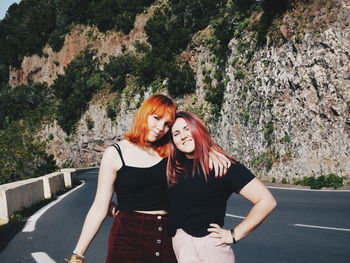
(194, 203)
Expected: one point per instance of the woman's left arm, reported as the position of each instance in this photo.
(263, 202)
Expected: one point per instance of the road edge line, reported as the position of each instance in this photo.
(302, 189)
(31, 223)
(323, 227)
(229, 215)
(42, 257)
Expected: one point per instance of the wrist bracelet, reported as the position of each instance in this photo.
(78, 254)
(233, 236)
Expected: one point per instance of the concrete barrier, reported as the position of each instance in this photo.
(18, 195)
(69, 174)
(53, 183)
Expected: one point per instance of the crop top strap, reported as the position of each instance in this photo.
(117, 147)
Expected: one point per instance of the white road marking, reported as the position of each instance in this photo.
(302, 189)
(322, 227)
(42, 257)
(30, 225)
(229, 215)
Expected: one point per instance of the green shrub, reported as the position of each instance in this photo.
(16, 217)
(249, 55)
(265, 62)
(268, 132)
(22, 101)
(243, 24)
(207, 79)
(118, 68)
(218, 75)
(181, 80)
(75, 89)
(265, 159)
(286, 138)
(56, 40)
(25, 30)
(239, 74)
(111, 113)
(150, 68)
(142, 47)
(4, 75)
(244, 116)
(38, 22)
(284, 181)
(118, 15)
(90, 124)
(272, 9)
(215, 95)
(21, 155)
(67, 164)
(330, 180)
(333, 180)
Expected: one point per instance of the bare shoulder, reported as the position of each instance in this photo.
(111, 159)
(125, 145)
(127, 148)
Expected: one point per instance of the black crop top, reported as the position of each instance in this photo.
(140, 188)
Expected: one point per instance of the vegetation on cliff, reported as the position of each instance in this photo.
(75, 88)
(175, 28)
(31, 24)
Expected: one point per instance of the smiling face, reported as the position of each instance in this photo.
(157, 126)
(182, 137)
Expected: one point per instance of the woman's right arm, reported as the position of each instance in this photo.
(110, 164)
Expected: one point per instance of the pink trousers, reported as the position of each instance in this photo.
(189, 249)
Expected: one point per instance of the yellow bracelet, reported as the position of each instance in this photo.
(78, 254)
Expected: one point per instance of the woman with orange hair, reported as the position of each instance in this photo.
(135, 169)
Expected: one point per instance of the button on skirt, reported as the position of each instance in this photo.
(137, 237)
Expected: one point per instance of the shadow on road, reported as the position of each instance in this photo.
(8, 232)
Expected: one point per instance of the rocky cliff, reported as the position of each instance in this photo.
(290, 114)
(286, 106)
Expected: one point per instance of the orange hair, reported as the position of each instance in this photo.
(160, 105)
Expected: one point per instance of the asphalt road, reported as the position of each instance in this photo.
(307, 226)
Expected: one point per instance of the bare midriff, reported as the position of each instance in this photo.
(157, 212)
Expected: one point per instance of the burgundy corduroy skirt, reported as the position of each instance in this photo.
(140, 238)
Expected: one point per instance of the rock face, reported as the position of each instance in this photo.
(47, 67)
(85, 147)
(290, 115)
(286, 116)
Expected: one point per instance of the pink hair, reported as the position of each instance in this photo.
(203, 145)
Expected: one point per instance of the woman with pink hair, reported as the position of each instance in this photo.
(197, 199)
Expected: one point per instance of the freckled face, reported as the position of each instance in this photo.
(158, 127)
(182, 137)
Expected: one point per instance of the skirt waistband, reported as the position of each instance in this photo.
(143, 215)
